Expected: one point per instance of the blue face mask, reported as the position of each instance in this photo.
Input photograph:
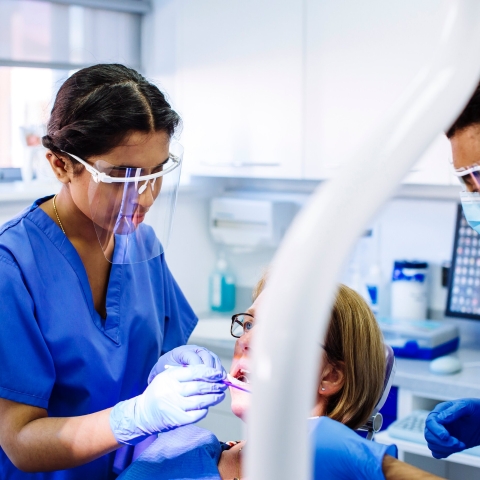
(471, 208)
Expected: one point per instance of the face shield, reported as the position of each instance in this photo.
(132, 208)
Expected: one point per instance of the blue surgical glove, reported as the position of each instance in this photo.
(176, 397)
(453, 426)
(185, 355)
(341, 454)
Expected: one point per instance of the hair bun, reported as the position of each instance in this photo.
(47, 142)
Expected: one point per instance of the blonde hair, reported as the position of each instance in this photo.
(353, 344)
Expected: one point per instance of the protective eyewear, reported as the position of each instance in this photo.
(108, 173)
(469, 177)
(131, 220)
(241, 323)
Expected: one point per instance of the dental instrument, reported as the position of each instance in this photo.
(238, 387)
(228, 383)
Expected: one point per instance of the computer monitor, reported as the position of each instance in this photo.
(464, 280)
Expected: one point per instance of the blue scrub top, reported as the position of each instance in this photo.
(56, 352)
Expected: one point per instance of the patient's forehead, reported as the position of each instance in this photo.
(254, 307)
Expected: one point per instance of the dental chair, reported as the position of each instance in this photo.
(374, 423)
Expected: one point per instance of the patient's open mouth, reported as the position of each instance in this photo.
(242, 376)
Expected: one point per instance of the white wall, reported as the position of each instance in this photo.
(408, 228)
(190, 254)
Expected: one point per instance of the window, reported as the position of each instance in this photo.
(41, 44)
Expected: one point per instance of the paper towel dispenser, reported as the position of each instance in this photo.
(250, 223)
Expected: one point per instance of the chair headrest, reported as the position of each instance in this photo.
(389, 376)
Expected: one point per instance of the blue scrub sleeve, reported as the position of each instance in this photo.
(187, 452)
(180, 320)
(27, 372)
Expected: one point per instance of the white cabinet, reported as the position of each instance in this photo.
(359, 58)
(290, 89)
(239, 87)
(434, 167)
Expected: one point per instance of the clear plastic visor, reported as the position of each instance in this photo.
(132, 208)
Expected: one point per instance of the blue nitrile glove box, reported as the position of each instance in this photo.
(422, 339)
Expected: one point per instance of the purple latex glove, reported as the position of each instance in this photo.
(176, 397)
(186, 355)
(453, 426)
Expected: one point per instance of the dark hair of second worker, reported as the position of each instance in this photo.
(98, 106)
(470, 115)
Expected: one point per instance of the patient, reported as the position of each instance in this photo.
(351, 378)
(349, 385)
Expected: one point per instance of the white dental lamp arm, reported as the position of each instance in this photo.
(309, 262)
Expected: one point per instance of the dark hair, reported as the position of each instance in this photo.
(470, 115)
(98, 106)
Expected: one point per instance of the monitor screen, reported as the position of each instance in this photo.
(464, 281)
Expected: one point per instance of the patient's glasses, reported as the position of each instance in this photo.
(374, 423)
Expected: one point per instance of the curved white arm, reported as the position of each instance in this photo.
(310, 260)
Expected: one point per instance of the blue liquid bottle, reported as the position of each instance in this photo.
(222, 287)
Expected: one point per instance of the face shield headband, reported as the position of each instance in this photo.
(132, 208)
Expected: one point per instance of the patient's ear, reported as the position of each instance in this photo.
(332, 381)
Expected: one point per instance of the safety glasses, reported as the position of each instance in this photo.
(105, 172)
(469, 176)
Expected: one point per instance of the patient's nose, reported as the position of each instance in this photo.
(244, 341)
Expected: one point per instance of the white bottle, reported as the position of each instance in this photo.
(409, 290)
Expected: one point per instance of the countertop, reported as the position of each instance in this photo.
(27, 192)
(415, 375)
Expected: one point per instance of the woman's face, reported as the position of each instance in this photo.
(102, 202)
(331, 379)
(240, 370)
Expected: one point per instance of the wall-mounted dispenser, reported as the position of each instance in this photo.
(241, 222)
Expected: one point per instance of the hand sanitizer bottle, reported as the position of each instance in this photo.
(222, 287)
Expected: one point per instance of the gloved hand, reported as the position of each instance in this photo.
(342, 454)
(176, 397)
(453, 426)
(185, 355)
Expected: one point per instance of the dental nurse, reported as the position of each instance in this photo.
(87, 303)
(454, 426)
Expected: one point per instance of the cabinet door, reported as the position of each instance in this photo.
(360, 57)
(434, 167)
(239, 87)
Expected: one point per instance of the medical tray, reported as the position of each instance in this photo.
(421, 339)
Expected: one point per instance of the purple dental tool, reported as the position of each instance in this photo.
(230, 384)
(225, 382)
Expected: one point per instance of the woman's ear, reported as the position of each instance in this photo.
(58, 166)
(332, 381)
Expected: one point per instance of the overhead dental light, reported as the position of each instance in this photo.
(337, 214)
